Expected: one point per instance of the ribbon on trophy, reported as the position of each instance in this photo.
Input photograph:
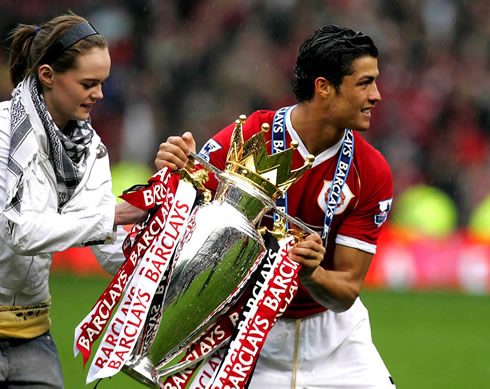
(278, 290)
(210, 342)
(344, 162)
(243, 330)
(148, 261)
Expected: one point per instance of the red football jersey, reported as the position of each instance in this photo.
(363, 207)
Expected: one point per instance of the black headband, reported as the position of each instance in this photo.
(77, 33)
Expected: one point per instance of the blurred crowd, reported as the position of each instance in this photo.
(195, 65)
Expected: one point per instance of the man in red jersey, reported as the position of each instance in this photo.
(323, 340)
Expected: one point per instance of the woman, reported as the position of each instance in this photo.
(55, 185)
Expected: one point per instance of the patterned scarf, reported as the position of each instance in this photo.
(67, 152)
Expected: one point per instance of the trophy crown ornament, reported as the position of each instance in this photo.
(272, 174)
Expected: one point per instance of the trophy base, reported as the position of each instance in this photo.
(141, 370)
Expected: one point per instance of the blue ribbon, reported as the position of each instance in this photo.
(341, 172)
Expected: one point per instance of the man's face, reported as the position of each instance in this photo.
(351, 106)
(75, 91)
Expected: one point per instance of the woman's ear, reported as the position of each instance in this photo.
(46, 75)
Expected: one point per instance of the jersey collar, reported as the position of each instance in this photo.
(323, 156)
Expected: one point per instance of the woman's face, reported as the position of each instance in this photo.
(70, 95)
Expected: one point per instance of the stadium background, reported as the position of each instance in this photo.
(197, 64)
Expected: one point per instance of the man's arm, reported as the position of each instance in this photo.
(335, 289)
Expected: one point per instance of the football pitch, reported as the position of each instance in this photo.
(428, 340)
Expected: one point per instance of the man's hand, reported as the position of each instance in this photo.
(175, 151)
(336, 288)
(309, 253)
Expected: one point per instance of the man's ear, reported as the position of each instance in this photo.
(323, 87)
(46, 75)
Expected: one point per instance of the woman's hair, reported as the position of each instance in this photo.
(31, 43)
(329, 52)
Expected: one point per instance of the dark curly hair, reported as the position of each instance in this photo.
(329, 52)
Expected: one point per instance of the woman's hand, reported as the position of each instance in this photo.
(128, 214)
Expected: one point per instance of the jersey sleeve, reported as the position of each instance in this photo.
(215, 151)
(362, 227)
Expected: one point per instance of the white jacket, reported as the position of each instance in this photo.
(26, 250)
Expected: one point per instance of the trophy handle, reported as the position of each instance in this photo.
(219, 175)
(205, 163)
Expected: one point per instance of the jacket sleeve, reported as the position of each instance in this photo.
(42, 233)
(110, 256)
(36, 233)
(4, 153)
(39, 228)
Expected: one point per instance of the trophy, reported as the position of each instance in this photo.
(218, 253)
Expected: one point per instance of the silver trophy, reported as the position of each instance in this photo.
(218, 252)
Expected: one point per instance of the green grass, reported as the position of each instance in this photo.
(432, 340)
(428, 340)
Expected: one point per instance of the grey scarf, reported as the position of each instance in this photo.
(67, 152)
